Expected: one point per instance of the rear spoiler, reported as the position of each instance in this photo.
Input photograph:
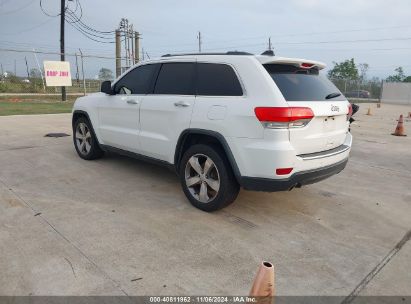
(303, 63)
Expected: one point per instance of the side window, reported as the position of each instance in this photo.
(137, 81)
(175, 78)
(217, 80)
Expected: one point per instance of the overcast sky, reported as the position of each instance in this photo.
(314, 29)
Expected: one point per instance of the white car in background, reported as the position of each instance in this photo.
(221, 121)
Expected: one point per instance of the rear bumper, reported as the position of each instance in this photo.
(296, 180)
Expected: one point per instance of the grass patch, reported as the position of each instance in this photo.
(26, 108)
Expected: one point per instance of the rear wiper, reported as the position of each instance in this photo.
(332, 95)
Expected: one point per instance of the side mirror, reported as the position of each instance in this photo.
(106, 87)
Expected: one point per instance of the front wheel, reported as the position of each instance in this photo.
(85, 140)
(207, 179)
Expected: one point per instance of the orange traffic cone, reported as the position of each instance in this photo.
(369, 111)
(399, 130)
(263, 285)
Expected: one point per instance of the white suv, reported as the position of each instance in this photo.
(221, 121)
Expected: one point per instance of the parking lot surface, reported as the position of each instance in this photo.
(119, 226)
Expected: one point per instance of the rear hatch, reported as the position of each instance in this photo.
(302, 85)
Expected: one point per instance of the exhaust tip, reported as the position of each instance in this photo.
(267, 264)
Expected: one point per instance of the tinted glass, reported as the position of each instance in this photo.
(217, 80)
(175, 78)
(298, 84)
(137, 81)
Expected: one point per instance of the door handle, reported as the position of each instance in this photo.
(182, 104)
(132, 101)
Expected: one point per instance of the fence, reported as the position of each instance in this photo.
(21, 72)
(396, 93)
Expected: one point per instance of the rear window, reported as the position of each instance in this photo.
(175, 78)
(298, 84)
(217, 80)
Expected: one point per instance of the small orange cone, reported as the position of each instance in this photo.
(399, 130)
(263, 285)
(369, 111)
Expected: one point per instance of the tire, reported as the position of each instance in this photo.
(85, 140)
(207, 178)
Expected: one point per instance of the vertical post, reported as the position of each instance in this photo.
(199, 42)
(82, 71)
(137, 46)
(77, 74)
(27, 67)
(2, 71)
(133, 56)
(118, 53)
(41, 72)
(269, 44)
(62, 55)
(381, 89)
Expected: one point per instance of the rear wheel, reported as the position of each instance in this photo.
(85, 140)
(207, 179)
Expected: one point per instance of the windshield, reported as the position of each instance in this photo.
(297, 84)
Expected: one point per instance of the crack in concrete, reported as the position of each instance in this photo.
(364, 282)
(71, 265)
(40, 216)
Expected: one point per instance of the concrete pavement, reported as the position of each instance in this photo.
(118, 226)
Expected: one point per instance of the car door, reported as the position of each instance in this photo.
(119, 114)
(166, 112)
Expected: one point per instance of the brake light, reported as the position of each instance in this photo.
(282, 118)
(306, 65)
(349, 111)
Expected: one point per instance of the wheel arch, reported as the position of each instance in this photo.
(192, 136)
(80, 113)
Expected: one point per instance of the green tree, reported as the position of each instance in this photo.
(105, 74)
(397, 77)
(35, 73)
(363, 67)
(346, 70)
(407, 79)
(11, 77)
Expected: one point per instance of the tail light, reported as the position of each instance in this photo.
(283, 118)
(349, 111)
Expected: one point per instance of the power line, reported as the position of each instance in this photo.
(44, 11)
(79, 28)
(28, 29)
(56, 53)
(18, 9)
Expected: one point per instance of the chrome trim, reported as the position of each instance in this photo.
(323, 154)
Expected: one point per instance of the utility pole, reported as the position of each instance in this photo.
(118, 53)
(199, 42)
(136, 47)
(2, 71)
(62, 55)
(269, 44)
(15, 70)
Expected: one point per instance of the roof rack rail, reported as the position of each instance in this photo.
(196, 54)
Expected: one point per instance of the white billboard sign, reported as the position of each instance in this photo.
(57, 73)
